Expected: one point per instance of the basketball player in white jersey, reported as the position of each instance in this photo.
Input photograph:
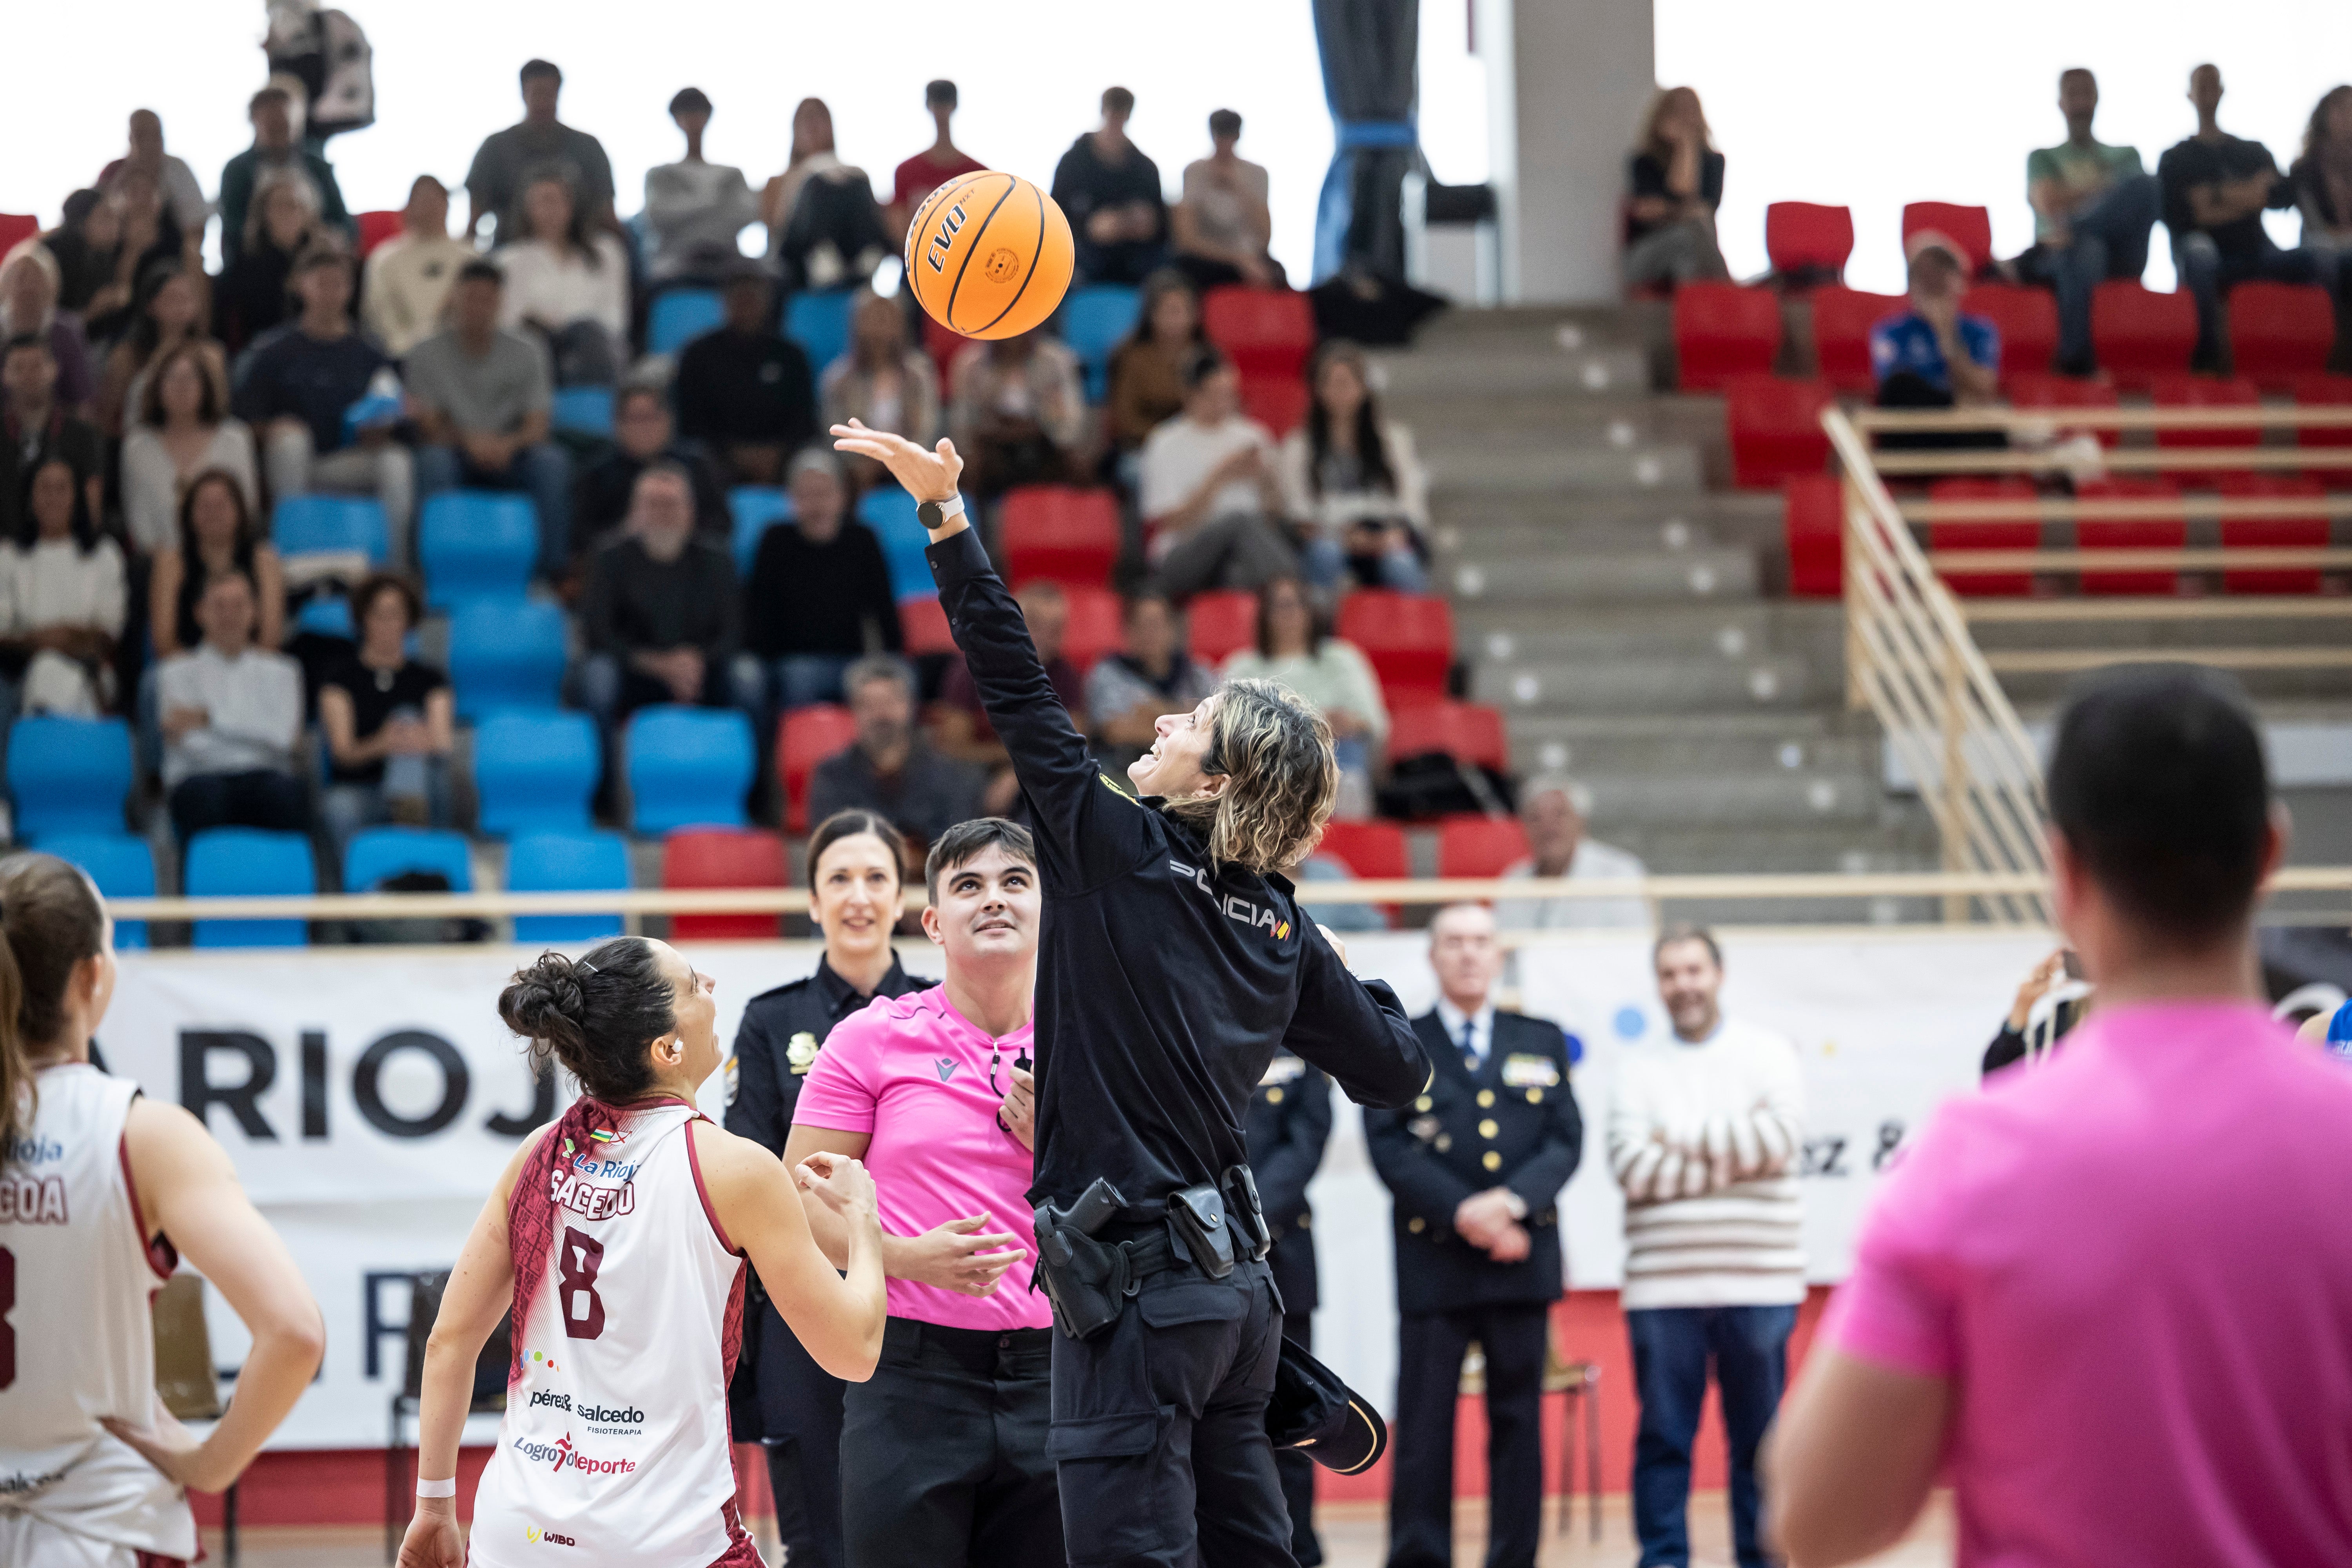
(101, 1192)
(618, 1236)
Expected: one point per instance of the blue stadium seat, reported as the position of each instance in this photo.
(889, 512)
(312, 524)
(67, 775)
(679, 316)
(535, 771)
(689, 767)
(376, 852)
(327, 615)
(246, 862)
(585, 410)
(122, 867)
(1094, 320)
(562, 863)
(506, 653)
(757, 508)
(477, 545)
(819, 322)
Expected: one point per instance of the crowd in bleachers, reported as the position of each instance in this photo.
(381, 530)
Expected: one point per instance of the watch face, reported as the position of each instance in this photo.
(929, 514)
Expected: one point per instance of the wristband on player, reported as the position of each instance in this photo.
(446, 1488)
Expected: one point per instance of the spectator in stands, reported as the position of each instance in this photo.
(694, 208)
(38, 425)
(1147, 370)
(507, 159)
(1017, 411)
(171, 312)
(183, 431)
(253, 292)
(926, 170)
(1706, 1134)
(389, 721)
(643, 433)
(304, 384)
(1352, 483)
(2215, 188)
(213, 535)
(480, 397)
(812, 156)
(569, 284)
(29, 305)
(232, 714)
(145, 152)
(2050, 1001)
(662, 615)
(1674, 183)
(1151, 674)
(1112, 196)
(881, 380)
(85, 245)
(829, 233)
(1554, 811)
(743, 390)
(274, 150)
(820, 590)
(65, 595)
(962, 727)
(1932, 356)
(406, 292)
(1296, 646)
(2322, 179)
(2093, 207)
(1208, 483)
(143, 234)
(1222, 225)
(890, 770)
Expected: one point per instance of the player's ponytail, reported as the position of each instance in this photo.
(51, 919)
(596, 1013)
(1281, 777)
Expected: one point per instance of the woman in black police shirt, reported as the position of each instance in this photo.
(854, 862)
(1173, 965)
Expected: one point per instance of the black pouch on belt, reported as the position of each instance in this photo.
(1197, 1215)
(1247, 1212)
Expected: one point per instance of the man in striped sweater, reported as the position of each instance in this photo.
(1704, 1133)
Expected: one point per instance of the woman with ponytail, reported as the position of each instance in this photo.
(101, 1193)
(617, 1238)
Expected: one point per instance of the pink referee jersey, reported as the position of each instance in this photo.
(914, 1072)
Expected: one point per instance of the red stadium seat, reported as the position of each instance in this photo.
(806, 737)
(924, 620)
(2206, 392)
(2023, 534)
(1219, 624)
(1408, 638)
(15, 228)
(1843, 318)
(2279, 331)
(2027, 320)
(2324, 392)
(1061, 532)
(1265, 332)
(2253, 533)
(1277, 402)
(1479, 846)
(1776, 429)
(1814, 522)
(1096, 626)
(1970, 228)
(2130, 533)
(375, 227)
(1468, 731)
(2139, 335)
(1807, 243)
(722, 857)
(1374, 851)
(1722, 331)
(2057, 392)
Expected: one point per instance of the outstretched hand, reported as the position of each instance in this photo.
(928, 474)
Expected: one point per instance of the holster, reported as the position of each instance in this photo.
(1089, 1281)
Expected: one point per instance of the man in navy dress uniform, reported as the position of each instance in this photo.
(1475, 1167)
(1288, 1124)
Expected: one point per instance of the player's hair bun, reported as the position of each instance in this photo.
(546, 1002)
(596, 1013)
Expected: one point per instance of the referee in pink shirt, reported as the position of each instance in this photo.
(943, 1460)
(2110, 1297)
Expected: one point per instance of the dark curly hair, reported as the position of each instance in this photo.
(596, 1013)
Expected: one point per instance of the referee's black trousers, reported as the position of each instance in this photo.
(1430, 1349)
(943, 1459)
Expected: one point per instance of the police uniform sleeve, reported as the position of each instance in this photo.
(1356, 1030)
(1283, 1171)
(1538, 1178)
(1087, 830)
(758, 1109)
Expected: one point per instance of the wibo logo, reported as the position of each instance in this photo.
(533, 1533)
(1257, 917)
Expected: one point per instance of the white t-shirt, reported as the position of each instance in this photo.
(559, 288)
(255, 707)
(1182, 452)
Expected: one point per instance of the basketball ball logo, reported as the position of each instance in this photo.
(989, 256)
(1001, 265)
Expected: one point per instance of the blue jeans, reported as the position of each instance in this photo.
(2110, 240)
(1325, 562)
(2206, 273)
(544, 470)
(797, 679)
(344, 809)
(1672, 1347)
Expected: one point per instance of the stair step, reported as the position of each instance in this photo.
(1603, 578)
(1776, 798)
(1543, 467)
(1647, 685)
(1539, 745)
(1733, 630)
(1600, 372)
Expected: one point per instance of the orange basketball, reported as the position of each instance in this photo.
(988, 254)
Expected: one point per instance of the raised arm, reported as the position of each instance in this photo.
(1356, 1030)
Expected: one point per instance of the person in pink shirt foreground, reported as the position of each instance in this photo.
(943, 1453)
(2110, 1297)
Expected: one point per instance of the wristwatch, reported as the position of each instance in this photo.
(934, 515)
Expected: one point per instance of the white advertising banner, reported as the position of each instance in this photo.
(370, 1096)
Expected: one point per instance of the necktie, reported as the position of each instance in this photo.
(1470, 1044)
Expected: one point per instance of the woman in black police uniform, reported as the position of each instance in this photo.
(780, 1395)
(1173, 965)
(1288, 1124)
